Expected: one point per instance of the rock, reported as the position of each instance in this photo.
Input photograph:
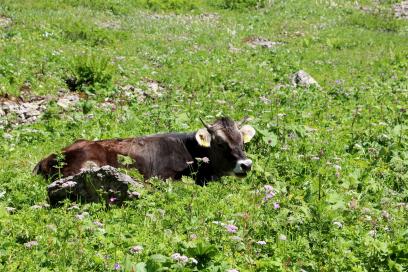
(153, 88)
(133, 93)
(233, 49)
(303, 79)
(67, 101)
(258, 41)
(211, 17)
(16, 112)
(93, 185)
(108, 105)
(401, 10)
(147, 88)
(5, 21)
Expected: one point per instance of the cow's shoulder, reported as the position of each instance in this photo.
(163, 155)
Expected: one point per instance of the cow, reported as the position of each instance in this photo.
(213, 151)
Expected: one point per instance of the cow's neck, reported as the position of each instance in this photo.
(203, 171)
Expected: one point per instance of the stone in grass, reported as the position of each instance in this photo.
(5, 21)
(401, 10)
(93, 185)
(68, 101)
(303, 79)
(259, 41)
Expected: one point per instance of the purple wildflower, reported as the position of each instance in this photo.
(116, 266)
(262, 243)
(180, 258)
(112, 199)
(98, 224)
(203, 159)
(136, 249)
(276, 205)
(175, 256)
(231, 228)
(268, 196)
(183, 259)
(268, 188)
(269, 193)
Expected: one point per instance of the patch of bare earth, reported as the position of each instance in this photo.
(109, 24)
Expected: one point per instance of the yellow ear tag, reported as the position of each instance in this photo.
(203, 137)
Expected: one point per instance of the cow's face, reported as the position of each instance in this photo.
(226, 139)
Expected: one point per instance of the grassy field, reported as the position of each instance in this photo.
(336, 157)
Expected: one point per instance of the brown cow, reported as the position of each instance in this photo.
(169, 155)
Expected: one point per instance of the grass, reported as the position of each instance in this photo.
(335, 156)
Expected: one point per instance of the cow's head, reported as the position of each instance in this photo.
(225, 139)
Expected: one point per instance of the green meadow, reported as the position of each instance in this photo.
(329, 186)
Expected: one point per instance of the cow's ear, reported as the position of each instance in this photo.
(203, 137)
(248, 132)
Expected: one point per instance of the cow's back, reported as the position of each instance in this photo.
(79, 155)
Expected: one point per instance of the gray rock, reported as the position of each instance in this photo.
(5, 21)
(153, 88)
(18, 112)
(93, 185)
(67, 101)
(401, 10)
(258, 41)
(134, 93)
(303, 79)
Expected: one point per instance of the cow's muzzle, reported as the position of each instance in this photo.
(242, 167)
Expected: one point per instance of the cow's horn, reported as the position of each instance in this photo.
(240, 123)
(206, 126)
